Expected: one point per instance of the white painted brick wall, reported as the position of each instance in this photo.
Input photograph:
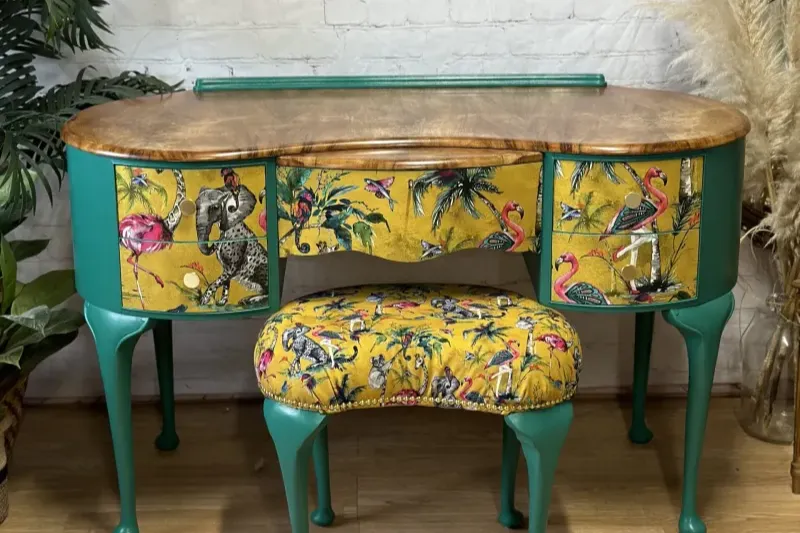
(182, 40)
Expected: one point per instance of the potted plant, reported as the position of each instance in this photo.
(34, 324)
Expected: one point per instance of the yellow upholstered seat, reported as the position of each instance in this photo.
(456, 346)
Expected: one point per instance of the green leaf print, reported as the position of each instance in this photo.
(364, 232)
(377, 218)
(344, 237)
(284, 193)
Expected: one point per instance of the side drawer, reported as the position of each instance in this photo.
(189, 205)
(637, 269)
(619, 198)
(204, 277)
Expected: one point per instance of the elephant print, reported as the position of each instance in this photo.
(188, 267)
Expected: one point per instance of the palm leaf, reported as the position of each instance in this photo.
(445, 201)
(419, 188)
(608, 170)
(582, 168)
(32, 145)
(74, 23)
(559, 170)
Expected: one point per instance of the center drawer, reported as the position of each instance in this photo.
(408, 205)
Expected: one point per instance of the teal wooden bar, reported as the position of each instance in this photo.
(187, 207)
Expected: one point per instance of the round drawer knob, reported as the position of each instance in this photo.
(633, 200)
(191, 280)
(629, 273)
(188, 207)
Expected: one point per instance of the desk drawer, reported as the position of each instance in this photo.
(624, 270)
(190, 277)
(189, 205)
(618, 197)
(407, 215)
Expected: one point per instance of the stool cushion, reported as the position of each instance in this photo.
(477, 348)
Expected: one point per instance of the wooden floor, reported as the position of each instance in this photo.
(394, 470)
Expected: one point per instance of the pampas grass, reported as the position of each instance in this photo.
(747, 53)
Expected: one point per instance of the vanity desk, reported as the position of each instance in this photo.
(185, 207)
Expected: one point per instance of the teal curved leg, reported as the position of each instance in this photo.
(115, 336)
(293, 432)
(542, 434)
(323, 515)
(639, 433)
(168, 439)
(701, 328)
(509, 516)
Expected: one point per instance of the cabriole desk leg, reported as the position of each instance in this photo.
(639, 433)
(701, 328)
(162, 336)
(115, 336)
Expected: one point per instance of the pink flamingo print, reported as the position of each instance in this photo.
(146, 234)
(500, 240)
(637, 219)
(632, 219)
(471, 396)
(264, 361)
(581, 293)
(554, 342)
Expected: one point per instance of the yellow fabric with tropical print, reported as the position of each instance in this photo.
(455, 346)
(175, 255)
(626, 233)
(407, 216)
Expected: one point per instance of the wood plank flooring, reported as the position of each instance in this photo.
(394, 470)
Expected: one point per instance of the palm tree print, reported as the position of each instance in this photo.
(138, 190)
(407, 338)
(585, 168)
(488, 331)
(343, 393)
(464, 186)
(589, 218)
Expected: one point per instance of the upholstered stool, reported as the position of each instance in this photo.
(473, 348)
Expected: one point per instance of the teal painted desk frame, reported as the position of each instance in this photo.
(116, 331)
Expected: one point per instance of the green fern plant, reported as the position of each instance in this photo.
(31, 150)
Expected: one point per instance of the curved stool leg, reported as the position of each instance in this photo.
(509, 516)
(542, 434)
(639, 433)
(293, 432)
(323, 515)
(162, 336)
(115, 336)
(701, 328)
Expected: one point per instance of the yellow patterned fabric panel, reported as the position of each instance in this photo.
(593, 196)
(435, 345)
(407, 216)
(625, 270)
(192, 240)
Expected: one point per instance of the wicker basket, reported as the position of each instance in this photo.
(11, 412)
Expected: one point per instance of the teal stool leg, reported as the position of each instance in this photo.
(542, 434)
(509, 516)
(293, 432)
(162, 336)
(639, 432)
(701, 328)
(115, 336)
(323, 515)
